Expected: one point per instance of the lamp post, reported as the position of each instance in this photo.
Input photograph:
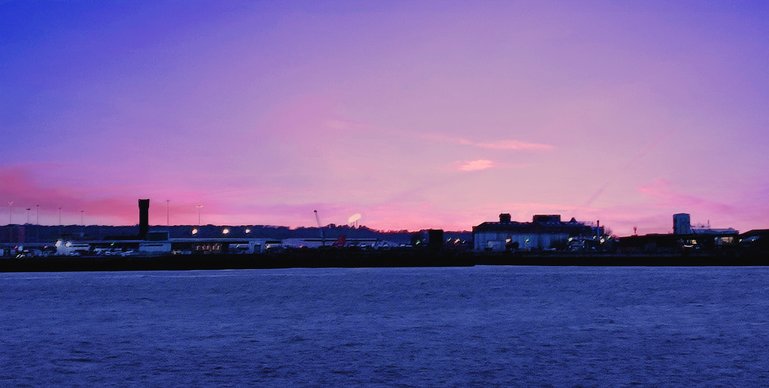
(10, 220)
(168, 213)
(81, 217)
(59, 215)
(199, 206)
(28, 210)
(37, 214)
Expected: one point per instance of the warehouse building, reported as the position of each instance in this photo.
(545, 232)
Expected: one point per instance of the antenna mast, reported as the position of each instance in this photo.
(320, 228)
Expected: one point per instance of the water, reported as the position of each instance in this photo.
(416, 327)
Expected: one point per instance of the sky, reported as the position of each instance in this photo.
(415, 114)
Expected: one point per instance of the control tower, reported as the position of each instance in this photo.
(144, 218)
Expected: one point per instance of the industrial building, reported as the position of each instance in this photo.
(545, 232)
(703, 235)
(685, 238)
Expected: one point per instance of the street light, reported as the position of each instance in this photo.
(37, 223)
(81, 217)
(199, 206)
(28, 210)
(168, 212)
(10, 212)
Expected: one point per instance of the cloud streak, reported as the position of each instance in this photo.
(662, 193)
(501, 144)
(475, 165)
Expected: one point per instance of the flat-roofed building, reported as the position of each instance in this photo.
(545, 232)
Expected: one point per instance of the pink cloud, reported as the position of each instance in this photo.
(476, 165)
(662, 193)
(502, 144)
(510, 145)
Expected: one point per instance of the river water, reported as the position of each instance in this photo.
(516, 326)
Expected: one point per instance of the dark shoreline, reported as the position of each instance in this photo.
(366, 259)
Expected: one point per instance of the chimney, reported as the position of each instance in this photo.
(505, 218)
(144, 218)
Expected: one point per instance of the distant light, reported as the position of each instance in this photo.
(248, 230)
(225, 231)
(195, 231)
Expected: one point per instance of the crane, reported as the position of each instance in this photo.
(320, 228)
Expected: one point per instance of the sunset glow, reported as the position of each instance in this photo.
(408, 115)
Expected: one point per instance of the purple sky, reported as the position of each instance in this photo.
(414, 114)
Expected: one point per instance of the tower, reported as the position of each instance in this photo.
(144, 218)
(682, 224)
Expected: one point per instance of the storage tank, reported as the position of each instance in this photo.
(682, 224)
